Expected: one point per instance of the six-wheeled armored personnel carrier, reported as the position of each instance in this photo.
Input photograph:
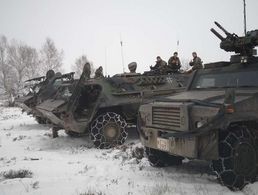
(215, 119)
(104, 106)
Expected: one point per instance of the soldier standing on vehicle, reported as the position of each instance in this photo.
(86, 70)
(174, 63)
(99, 73)
(195, 63)
(160, 65)
(132, 67)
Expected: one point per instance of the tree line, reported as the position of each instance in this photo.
(20, 62)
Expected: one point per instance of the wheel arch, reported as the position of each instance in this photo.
(252, 125)
(115, 109)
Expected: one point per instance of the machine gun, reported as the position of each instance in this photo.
(40, 79)
(240, 45)
(69, 76)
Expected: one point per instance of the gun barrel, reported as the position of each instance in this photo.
(217, 34)
(35, 79)
(223, 29)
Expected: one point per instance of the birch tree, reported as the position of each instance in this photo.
(24, 61)
(7, 76)
(50, 57)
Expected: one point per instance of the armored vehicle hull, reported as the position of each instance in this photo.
(104, 107)
(41, 90)
(215, 119)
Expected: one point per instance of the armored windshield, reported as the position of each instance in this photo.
(226, 80)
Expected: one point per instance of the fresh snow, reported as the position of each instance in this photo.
(66, 165)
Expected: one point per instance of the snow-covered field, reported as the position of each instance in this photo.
(66, 165)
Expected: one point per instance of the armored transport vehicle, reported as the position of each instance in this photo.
(41, 88)
(215, 119)
(103, 107)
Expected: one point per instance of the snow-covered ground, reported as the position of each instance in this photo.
(66, 165)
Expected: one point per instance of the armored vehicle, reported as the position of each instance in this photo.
(39, 89)
(104, 106)
(214, 119)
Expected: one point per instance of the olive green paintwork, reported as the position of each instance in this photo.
(122, 94)
(189, 122)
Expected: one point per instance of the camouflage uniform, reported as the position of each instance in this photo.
(45, 84)
(174, 63)
(196, 63)
(86, 70)
(160, 65)
(99, 73)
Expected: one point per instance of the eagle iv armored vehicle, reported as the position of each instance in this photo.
(215, 119)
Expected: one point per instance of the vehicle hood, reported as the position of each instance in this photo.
(211, 96)
(50, 105)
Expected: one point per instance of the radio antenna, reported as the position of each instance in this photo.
(244, 17)
(122, 53)
(105, 61)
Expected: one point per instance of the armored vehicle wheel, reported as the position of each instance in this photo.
(236, 165)
(108, 130)
(158, 158)
(40, 120)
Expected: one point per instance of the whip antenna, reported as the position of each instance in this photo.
(244, 17)
(122, 53)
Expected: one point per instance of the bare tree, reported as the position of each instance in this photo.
(185, 63)
(24, 61)
(50, 57)
(3, 63)
(19, 62)
(79, 64)
(32, 63)
(7, 76)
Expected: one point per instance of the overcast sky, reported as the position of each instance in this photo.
(147, 27)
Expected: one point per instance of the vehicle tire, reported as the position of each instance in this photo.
(159, 158)
(236, 165)
(41, 120)
(73, 134)
(108, 130)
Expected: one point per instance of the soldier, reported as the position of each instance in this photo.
(50, 74)
(132, 67)
(45, 84)
(58, 74)
(99, 72)
(86, 70)
(196, 62)
(174, 63)
(160, 65)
